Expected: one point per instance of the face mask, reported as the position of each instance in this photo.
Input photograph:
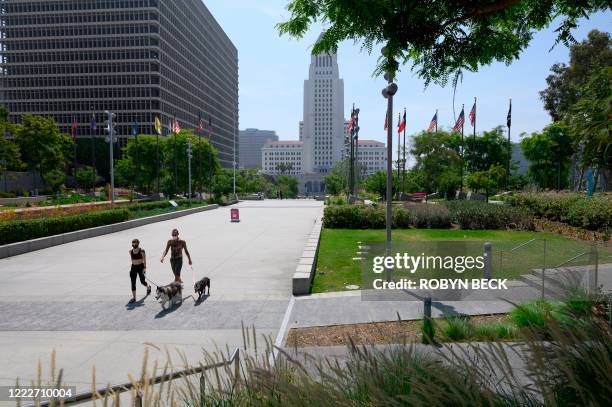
(135, 246)
(175, 237)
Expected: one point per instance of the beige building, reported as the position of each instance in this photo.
(287, 152)
(372, 155)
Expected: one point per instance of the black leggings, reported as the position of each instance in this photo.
(137, 270)
(177, 265)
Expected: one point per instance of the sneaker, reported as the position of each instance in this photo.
(148, 290)
(132, 301)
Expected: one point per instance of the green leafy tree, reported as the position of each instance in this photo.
(377, 184)
(437, 159)
(550, 154)
(9, 151)
(487, 149)
(287, 185)
(337, 181)
(86, 175)
(54, 179)
(43, 148)
(566, 82)
(223, 183)
(284, 168)
(438, 38)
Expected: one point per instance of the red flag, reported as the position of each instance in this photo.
(386, 121)
(402, 125)
(459, 123)
(472, 114)
(351, 121)
(73, 130)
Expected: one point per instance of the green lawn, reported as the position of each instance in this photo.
(336, 268)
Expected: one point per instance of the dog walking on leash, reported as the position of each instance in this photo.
(139, 268)
(176, 247)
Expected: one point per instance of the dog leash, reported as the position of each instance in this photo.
(150, 281)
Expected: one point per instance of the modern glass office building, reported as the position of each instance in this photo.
(74, 59)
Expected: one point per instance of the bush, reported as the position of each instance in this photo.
(594, 213)
(370, 217)
(7, 195)
(20, 230)
(479, 215)
(535, 314)
(456, 329)
(493, 332)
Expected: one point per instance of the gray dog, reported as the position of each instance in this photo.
(172, 293)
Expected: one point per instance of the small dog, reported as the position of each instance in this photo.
(172, 293)
(200, 287)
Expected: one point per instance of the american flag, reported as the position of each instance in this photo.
(473, 115)
(73, 129)
(176, 127)
(460, 120)
(386, 121)
(402, 125)
(434, 123)
(200, 124)
(509, 117)
(351, 121)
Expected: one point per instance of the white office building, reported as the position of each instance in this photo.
(372, 156)
(288, 153)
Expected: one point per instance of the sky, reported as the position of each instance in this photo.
(272, 70)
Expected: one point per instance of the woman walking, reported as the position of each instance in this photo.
(139, 268)
(176, 247)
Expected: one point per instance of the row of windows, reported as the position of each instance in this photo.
(12, 21)
(65, 44)
(80, 81)
(57, 107)
(64, 70)
(66, 56)
(82, 30)
(79, 93)
(73, 5)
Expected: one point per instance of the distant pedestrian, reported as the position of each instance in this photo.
(176, 247)
(139, 268)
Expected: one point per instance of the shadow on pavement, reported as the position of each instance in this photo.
(169, 309)
(137, 304)
(201, 300)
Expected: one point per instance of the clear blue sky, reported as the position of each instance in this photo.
(272, 70)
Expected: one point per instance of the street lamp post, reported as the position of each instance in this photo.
(234, 162)
(111, 140)
(388, 92)
(189, 155)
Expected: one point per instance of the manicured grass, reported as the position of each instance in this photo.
(336, 269)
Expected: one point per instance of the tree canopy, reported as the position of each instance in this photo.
(437, 37)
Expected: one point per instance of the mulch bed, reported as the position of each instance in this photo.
(368, 333)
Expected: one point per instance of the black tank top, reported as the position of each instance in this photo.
(136, 256)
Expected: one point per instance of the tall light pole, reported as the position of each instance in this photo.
(388, 92)
(111, 140)
(234, 163)
(189, 155)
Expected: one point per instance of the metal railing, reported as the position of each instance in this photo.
(105, 392)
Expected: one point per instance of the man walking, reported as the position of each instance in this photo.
(176, 247)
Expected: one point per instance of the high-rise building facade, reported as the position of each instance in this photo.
(323, 128)
(74, 59)
(282, 157)
(251, 143)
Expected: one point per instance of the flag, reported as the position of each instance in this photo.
(399, 122)
(473, 114)
(351, 121)
(73, 129)
(157, 125)
(135, 129)
(176, 127)
(402, 125)
(94, 125)
(509, 117)
(460, 120)
(434, 123)
(200, 124)
(386, 120)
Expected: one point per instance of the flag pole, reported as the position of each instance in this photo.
(399, 120)
(462, 146)
(404, 157)
(474, 138)
(509, 123)
(175, 158)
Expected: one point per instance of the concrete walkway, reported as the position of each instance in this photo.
(73, 297)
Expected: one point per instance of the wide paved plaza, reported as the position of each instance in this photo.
(73, 298)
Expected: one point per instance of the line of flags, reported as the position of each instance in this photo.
(459, 123)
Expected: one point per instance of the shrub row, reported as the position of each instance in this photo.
(592, 213)
(372, 217)
(479, 215)
(20, 230)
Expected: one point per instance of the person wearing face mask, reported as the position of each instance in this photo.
(139, 268)
(176, 247)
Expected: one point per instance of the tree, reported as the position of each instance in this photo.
(487, 149)
(440, 37)
(377, 183)
(550, 154)
(437, 159)
(488, 181)
(287, 185)
(9, 151)
(85, 175)
(284, 168)
(43, 148)
(336, 182)
(566, 82)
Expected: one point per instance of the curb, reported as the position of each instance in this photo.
(18, 248)
(304, 272)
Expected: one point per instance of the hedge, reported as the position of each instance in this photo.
(591, 213)
(21, 230)
(372, 217)
(480, 215)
